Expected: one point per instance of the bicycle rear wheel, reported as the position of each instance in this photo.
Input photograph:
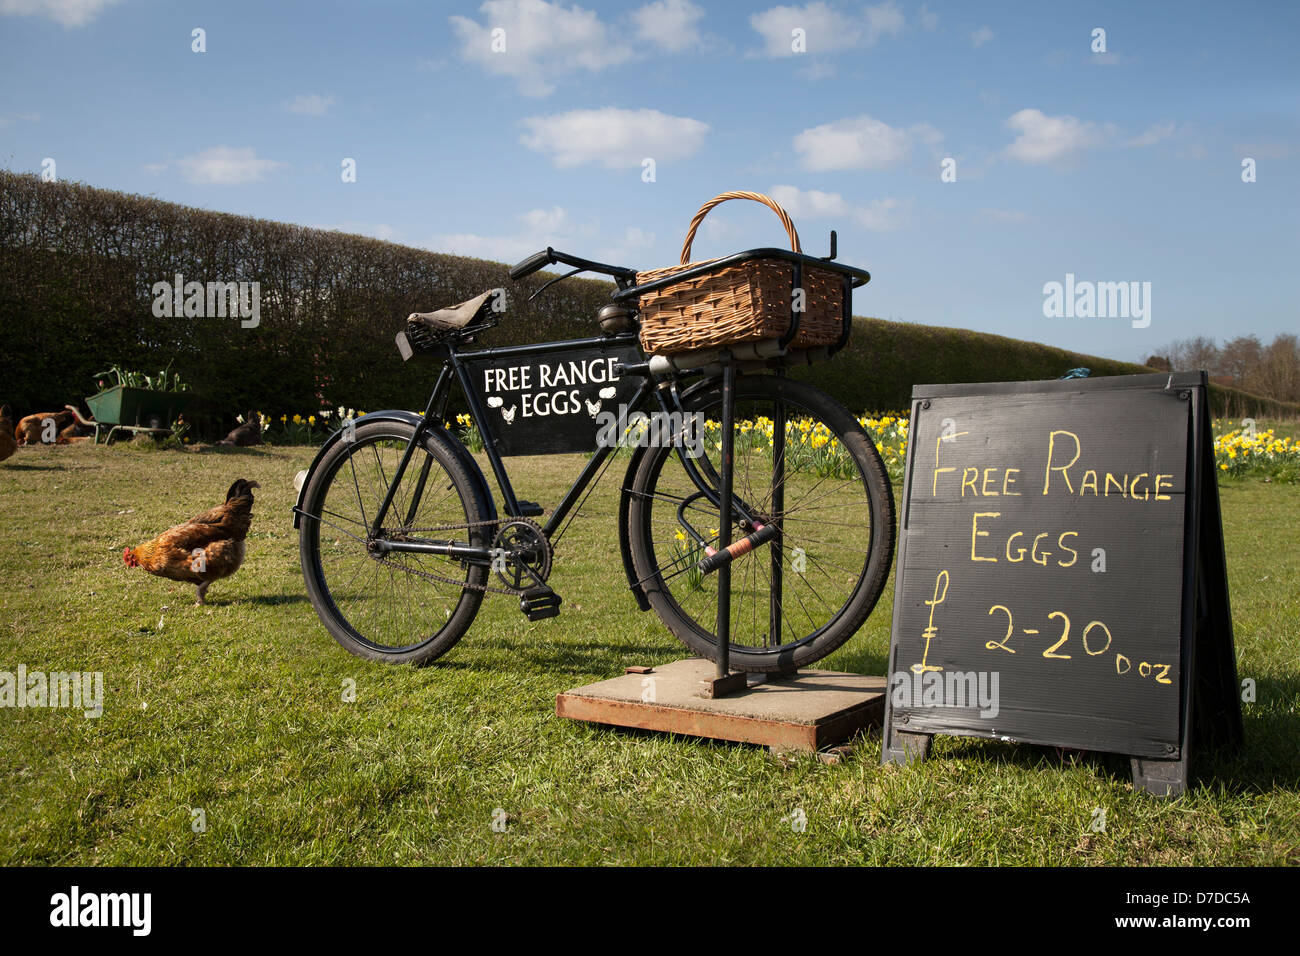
(800, 596)
(398, 607)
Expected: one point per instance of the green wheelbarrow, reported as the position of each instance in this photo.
(135, 411)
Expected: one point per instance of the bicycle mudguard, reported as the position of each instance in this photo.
(408, 418)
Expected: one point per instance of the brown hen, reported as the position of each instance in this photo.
(31, 429)
(249, 433)
(8, 444)
(207, 547)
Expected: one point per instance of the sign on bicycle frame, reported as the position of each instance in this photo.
(554, 403)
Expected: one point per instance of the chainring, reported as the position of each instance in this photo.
(523, 547)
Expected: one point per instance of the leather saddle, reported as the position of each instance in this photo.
(460, 316)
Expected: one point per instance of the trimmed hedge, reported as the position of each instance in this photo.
(884, 359)
(78, 264)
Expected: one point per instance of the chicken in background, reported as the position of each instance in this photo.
(8, 443)
(249, 433)
(205, 548)
(79, 430)
(31, 428)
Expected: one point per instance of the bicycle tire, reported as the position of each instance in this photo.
(362, 615)
(853, 511)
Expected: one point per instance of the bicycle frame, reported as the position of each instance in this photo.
(456, 368)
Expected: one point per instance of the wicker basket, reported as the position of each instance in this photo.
(748, 302)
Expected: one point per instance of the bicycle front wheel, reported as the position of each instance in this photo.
(801, 595)
(399, 607)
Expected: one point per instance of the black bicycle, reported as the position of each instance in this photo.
(784, 553)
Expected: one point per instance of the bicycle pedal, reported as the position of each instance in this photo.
(539, 603)
(529, 509)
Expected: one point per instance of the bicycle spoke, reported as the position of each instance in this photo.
(391, 601)
(357, 485)
(826, 514)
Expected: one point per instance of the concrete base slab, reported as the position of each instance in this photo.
(810, 710)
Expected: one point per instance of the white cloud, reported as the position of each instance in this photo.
(10, 118)
(1157, 133)
(825, 30)
(70, 13)
(635, 237)
(541, 41)
(981, 36)
(1265, 148)
(497, 248)
(1049, 139)
(615, 138)
(719, 228)
(226, 166)
(551, 220)
(1109, 59)
(310, 104)
(1046, 139)
(928, 20)
(671, 25)
(884, 19)
(879, 215)
(860, 142)
(808, 203)
(883, 215)
(538, 229)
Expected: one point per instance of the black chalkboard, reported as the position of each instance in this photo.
(556, 402)
(1054, 538)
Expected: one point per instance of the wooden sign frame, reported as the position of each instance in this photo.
(1208, 706)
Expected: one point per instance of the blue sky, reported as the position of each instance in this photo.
(1116, 166)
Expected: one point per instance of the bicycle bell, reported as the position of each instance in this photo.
(616, 319)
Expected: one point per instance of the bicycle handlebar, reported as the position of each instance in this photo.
(549, 256)
(538, 260)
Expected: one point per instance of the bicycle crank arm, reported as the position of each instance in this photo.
(714, 559)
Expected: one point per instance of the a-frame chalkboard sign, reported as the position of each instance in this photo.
(1061, 575)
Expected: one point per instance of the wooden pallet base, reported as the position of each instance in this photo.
(810, 710)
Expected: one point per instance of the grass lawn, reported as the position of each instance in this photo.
(237, 710)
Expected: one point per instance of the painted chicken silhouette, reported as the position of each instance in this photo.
(593, 408)
(508, 414)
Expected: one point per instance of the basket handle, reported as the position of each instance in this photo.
(767, 201)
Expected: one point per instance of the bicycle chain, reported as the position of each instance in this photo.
(441, 579)
(438, 578)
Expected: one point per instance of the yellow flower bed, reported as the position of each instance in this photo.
(1240, 452)
(298, 429)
